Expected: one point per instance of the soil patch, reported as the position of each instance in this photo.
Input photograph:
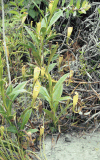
(73, 146)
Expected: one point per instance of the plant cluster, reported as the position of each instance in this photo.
(37, 42)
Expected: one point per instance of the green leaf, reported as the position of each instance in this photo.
(74, 13)
(37, 57)
(51, 37)
(43, 30)
(50, 114)
(44, 22)
(55, 106)
(61, 80)
(14, 94)
(17, 90)
(25, 117)
(67, 13)
(20, 3)
(23, 10)
(50, 84)
(65, 98)
(84, 3)
(20, 86)
(57, 94)
(9, 89)
(11, 116)
(51, 66)
(2, 109)
(31, 45)
(99, 10)
(64, 111)
(31, 34)
(14, 12)
(13, 3)
(71, 2)
(32, 13)
(78, 4)
(63, 1)
(82, 11)
(45, 93)
(54, 6)
(38, 8)
(52, 54)
(32, 130)
(55, 17)
(3, 113)
(12, 129)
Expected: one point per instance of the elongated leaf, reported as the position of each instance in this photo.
(12, 97)
(56, 97)
(37, 57)
(25, 45)
(55, 57)
(82, 11)
(31, 34)
(67, 13)
(52, 54)
(9, 89)
(45, 93)
(99, 10)
(63, 1)
(2, 109)
(14, 12)
(54, 6)
(12, 129)
(50, 84)
(51, 37)
(38, 8)
(71, 2)
(51, 66)
(9, 100)
(65, 98)
(15, 92)
(31, 45)
(32, 130)
(43, 30)
(43, 22)
(25, 117)
(55, 17)
(64, 111)
(57, 94)
(78, 4)
(3, 113)
(61, 80)
(19, 86)
(49, 114)
(13, 3)
(23, 10)
(55, 106)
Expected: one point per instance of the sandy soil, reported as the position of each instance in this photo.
(73, 147)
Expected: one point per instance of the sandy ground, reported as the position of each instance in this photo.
(73, 147)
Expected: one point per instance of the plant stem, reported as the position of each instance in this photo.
(9, 77)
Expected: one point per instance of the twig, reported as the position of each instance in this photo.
(92, 117)
(95, 93)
